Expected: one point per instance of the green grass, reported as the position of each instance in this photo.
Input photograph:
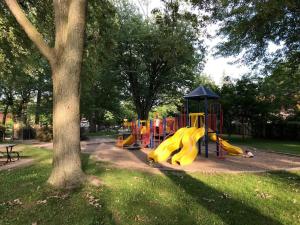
(133, 197)
(292, 147)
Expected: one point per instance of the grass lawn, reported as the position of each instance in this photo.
(284, 146)
(132, 197)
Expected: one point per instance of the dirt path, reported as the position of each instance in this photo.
(23, 162)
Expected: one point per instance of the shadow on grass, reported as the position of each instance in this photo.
(230, 210)
(286, 177)
(42, 204)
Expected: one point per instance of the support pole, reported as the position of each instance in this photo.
(206, 126)
(164, 127)
(187, 113)
(151, 135)
(199, 124)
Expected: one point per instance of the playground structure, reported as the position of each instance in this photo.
(185, 132)
(145, 133)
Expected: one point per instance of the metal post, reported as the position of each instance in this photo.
(187, 113)
(151, 135)
(199, 124)
(218, 143)
(206, 126)
(216, 111)
(164, 128)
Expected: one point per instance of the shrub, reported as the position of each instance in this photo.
(44, 133)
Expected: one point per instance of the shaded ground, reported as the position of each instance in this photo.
(104, 149)
(23, 162)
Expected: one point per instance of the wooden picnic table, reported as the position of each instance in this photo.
(9, 152)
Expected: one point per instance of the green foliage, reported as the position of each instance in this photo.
(207, 81)
(281, 88)
(156, 59)
(164, 110)
(249, 31)
(258, 101)
(23, 71)
(100, 84)
(248, 27)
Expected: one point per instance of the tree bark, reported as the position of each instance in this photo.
(65, 60)
(66, 170)
(70, 25)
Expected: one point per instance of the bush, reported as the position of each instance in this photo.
(24, 132)
(44, 133)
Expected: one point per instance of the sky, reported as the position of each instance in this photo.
(215, 67)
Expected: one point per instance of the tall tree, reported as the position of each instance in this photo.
(65, 59)
(158, 58)
(264, 35)
(249, 27)
(98, 78)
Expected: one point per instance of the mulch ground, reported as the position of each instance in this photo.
(105, 150)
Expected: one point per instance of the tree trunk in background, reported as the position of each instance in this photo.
(92, 120)
(37, 107)
(65, 60)
(142, 114)
(5, 114)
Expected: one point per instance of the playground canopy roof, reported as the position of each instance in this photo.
(201, 92)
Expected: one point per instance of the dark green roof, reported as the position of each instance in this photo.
(202, 92)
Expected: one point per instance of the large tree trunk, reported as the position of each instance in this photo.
(65, 60)
(70, 24)
(66, 130)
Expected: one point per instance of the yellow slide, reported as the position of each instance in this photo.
(129, 140)
(189, 150)
(165, 149)
(231, 149)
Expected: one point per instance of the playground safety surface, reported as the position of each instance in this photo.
(104, 149)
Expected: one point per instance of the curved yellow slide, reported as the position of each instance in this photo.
(189, 150)
(165, 149)
(129, 140)
(231, 149)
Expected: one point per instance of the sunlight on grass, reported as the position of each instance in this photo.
(292, 147)
(133, 197)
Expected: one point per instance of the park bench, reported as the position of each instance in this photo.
(9, 153)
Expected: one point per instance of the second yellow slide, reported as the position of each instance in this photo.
(231, 149)
(189, 150)
(165, 149)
